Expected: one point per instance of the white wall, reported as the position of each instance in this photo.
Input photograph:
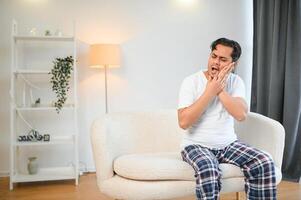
(162, 42)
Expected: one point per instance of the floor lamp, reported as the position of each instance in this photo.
(104, 56)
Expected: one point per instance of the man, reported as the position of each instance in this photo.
(209, 101)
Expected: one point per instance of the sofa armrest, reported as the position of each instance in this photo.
(109, 140)
(263, 133)
(102, 153)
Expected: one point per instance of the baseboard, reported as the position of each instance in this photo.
(87, 170)
(4, 173)
(91, 170)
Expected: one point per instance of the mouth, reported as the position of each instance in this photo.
(214, 69)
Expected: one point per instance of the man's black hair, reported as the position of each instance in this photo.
(229, 43)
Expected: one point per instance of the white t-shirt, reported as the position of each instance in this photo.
(215, 127)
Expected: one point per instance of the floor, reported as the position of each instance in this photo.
(87, 190)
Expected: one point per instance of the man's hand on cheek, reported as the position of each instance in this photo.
(218, 82)
(222, 76)
(224, 73)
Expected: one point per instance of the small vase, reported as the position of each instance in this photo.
(32, 165)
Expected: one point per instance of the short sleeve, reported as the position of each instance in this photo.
(186, 95)
(238, 89)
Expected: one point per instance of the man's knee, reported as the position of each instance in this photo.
(209, 166)
(268, 163)
(263, 165)
(265, 158)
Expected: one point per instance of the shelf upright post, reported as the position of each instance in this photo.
(75, 97)
(12, 105)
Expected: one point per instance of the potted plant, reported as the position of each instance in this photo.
(61, 74)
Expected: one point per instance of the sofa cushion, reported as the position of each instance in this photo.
(162, 166)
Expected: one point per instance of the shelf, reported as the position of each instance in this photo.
(47, 174)
(63, 140)
(25, 71)
(42, 108)
(43, 38)
(31, 78)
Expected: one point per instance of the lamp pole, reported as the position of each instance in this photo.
(106, 90)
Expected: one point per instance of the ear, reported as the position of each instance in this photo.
(236, 63)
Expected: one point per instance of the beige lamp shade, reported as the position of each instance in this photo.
(102, 55)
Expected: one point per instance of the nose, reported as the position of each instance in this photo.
(216, 61)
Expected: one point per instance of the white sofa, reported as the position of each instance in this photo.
(137, 154)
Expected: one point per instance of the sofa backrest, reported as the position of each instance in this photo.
(158, 131)
(145, 131)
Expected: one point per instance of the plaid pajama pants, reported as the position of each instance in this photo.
(257, 166)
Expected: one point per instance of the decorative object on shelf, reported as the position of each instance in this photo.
(32, 165)
(47, 33)
(37, 102)
(61, 74)
(58, 33)
(33, 32)
(23, 138)
(104, 56)
(34, 136)
(46, 137)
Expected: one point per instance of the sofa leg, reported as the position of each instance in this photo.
(237, 196)
(241, 196)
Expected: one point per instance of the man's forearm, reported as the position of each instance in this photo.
(190, 115)
(236, 106)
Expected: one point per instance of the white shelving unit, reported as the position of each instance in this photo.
(25, 113)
